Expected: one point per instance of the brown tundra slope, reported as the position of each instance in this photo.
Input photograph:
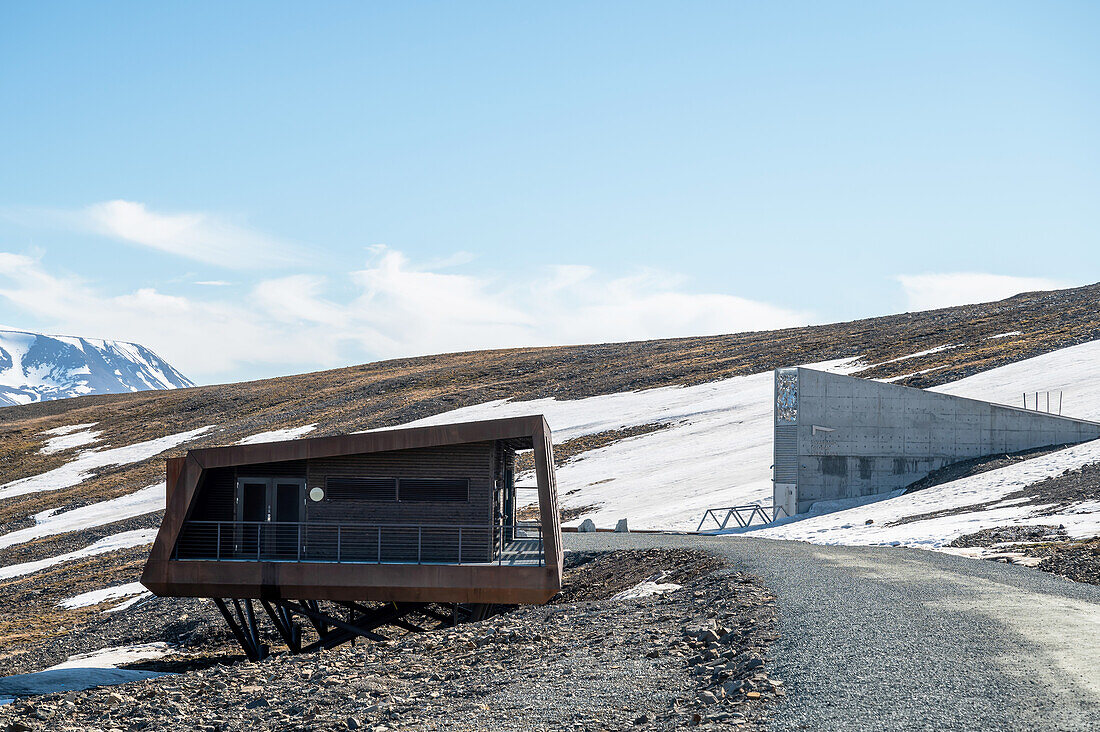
(396, 391)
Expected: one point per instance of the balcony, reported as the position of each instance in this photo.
(360, 543)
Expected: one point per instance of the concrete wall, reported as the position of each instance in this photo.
(843, 437)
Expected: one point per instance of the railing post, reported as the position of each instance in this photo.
(378, 559)
(419, 541)
(259, 527)
(299, 541)
(218, 551)
(337, 543)
(460, 545)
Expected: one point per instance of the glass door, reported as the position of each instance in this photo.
(269, 514)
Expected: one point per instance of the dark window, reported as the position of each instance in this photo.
(434, 489)
(360, 489)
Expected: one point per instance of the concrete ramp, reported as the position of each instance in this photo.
(842, 437)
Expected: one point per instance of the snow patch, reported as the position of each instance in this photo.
(113, 543)
(86, 463)
(69, 428)
(95, 597)
(647, 588)
(128, 603)
(86, 670)
(291, 433)
(69, 441)
(49, 522)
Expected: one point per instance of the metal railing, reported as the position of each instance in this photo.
(276, 541)
(743, 515)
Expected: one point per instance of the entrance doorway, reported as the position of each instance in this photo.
(269, 512)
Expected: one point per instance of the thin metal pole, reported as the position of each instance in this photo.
(1059, 401)
(460, 545)
(419, 541)
(1048, 402)
(218, 551)
(338, 543)
(299, 541)
(378, 559)
(1036, 401)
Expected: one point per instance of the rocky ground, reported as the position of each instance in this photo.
(693, 656)
(1043, 547)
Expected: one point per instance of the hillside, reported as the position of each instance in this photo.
(655, 431)
(36, 367)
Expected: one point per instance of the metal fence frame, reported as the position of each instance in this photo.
(744, 515)
(271, 537)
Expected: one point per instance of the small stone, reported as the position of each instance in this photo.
(352, 723)
(708, 697)
(732, 687)
(709, 637)
(255, 703)
(753, 695)
(642, 719)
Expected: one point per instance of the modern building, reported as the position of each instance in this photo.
(421, 518)
(842, 437)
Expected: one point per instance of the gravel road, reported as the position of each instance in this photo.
(884, 638)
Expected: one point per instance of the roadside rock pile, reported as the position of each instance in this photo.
(690, 657)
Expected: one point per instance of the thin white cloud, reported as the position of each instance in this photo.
(213, 283)
(389, 308)
(196, 235)
(930, 291)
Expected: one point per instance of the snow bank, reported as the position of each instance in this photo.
(49, 523)
(86, 463)
(95, 597)
(291, 433)
(85, 671)
(113, 543)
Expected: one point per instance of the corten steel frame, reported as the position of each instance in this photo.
(353, 582)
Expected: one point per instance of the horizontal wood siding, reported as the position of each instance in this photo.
(472, 461)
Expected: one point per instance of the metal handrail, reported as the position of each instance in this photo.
(359, 542)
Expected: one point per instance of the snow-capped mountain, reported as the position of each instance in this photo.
(36, 367)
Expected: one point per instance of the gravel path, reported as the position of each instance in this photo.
(903, 639)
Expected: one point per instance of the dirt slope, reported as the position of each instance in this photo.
(391, 392)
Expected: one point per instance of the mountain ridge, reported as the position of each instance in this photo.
(37, 367)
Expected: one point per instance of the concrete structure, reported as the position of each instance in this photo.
(842, 437)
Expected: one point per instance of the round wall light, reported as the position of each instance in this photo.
(316, 494)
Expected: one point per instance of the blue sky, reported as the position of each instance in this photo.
(372, 180)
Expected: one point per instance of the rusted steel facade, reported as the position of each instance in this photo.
(406, 515)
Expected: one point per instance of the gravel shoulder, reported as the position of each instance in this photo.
(882, 638)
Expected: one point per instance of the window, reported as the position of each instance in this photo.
(434, 489)
(360, 489)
